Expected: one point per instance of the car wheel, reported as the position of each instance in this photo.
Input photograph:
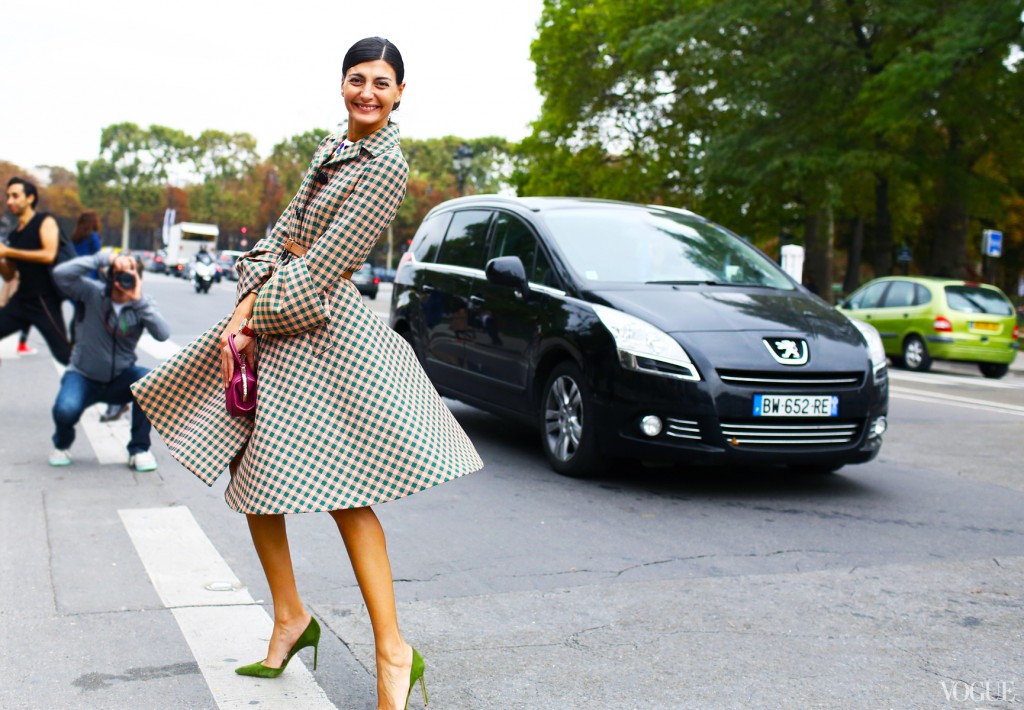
(993, 370)
(915, 354)
(567, 426)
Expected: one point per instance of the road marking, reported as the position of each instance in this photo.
(224, 629)
(161, 350)
(109, 440)
(955, 401)
(952, 380)
(9, 347)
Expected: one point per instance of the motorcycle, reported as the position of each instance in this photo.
(202, 276)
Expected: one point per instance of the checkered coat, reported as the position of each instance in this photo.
(345, 415)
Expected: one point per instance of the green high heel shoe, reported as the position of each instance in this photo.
(416, 674)
(309, 637)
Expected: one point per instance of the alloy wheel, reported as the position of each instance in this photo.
(914, 353)
(563, 418)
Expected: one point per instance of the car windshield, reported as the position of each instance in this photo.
(975, 299)
(655, 246)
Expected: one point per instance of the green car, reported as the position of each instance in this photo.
(922, 319)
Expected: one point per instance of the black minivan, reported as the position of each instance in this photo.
(633, 331)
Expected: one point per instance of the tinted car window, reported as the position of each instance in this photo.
(869, 297)
(513, 238)
(921, 295)
(974, 299)
(428, 237)
(900, 295)
(655, 246)
(466, 238)
(543, 273)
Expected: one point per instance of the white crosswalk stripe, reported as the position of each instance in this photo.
(983, 405)
(952, 380)
(222, 624)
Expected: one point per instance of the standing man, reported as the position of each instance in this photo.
(112, 317)
(31, 252)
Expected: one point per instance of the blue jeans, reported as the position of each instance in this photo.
(78, 392)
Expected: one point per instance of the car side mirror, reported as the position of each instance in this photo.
(508, 271)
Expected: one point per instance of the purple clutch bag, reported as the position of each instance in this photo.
(241, 392)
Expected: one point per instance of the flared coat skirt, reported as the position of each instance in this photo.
(345, 418)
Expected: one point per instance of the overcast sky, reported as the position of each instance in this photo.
(71, 67)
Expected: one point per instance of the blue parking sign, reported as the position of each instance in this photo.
(992, 243)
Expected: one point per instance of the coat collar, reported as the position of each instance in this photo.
(380, 141)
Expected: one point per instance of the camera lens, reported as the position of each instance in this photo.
(125, 279)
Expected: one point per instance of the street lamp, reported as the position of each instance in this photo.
(462, 161)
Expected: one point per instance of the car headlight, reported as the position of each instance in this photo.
(644, 348)
(874, 341)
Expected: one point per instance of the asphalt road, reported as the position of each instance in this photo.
(894, 584)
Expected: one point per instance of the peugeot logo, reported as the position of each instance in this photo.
(788, 351)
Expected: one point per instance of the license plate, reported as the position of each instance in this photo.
(988, 327)
(790, 405)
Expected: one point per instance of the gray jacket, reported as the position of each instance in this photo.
(105, 343)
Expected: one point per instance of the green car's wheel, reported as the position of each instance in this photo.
(915, 354)
(993, 370)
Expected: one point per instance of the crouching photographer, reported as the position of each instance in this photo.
(111, 318)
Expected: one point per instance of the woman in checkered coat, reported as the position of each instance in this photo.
(346, 418)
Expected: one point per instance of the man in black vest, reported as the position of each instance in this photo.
(31, 251)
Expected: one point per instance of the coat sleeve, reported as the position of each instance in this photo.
(256, 266)
(151, 318)
(72, 277)
(290, 303)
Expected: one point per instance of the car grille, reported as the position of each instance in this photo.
(790, 434)
(802, 380)
(683, 429)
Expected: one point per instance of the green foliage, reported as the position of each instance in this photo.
(291, 157)
(431, 160)
(769, 115)
(225, 182)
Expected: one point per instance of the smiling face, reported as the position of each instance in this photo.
(370, 91)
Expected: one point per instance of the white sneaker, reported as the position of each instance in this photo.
(60, 457)
(142, 461)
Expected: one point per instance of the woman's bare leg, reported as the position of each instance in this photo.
(270, 537)
(367, 549)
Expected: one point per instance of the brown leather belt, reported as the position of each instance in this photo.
(295, 249)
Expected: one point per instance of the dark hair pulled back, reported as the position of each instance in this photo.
(370, 50)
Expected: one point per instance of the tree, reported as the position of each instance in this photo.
(702, 104)
(230, 189)
(132, 168)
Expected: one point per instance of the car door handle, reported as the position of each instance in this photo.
(477, 300)
(427, 288)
